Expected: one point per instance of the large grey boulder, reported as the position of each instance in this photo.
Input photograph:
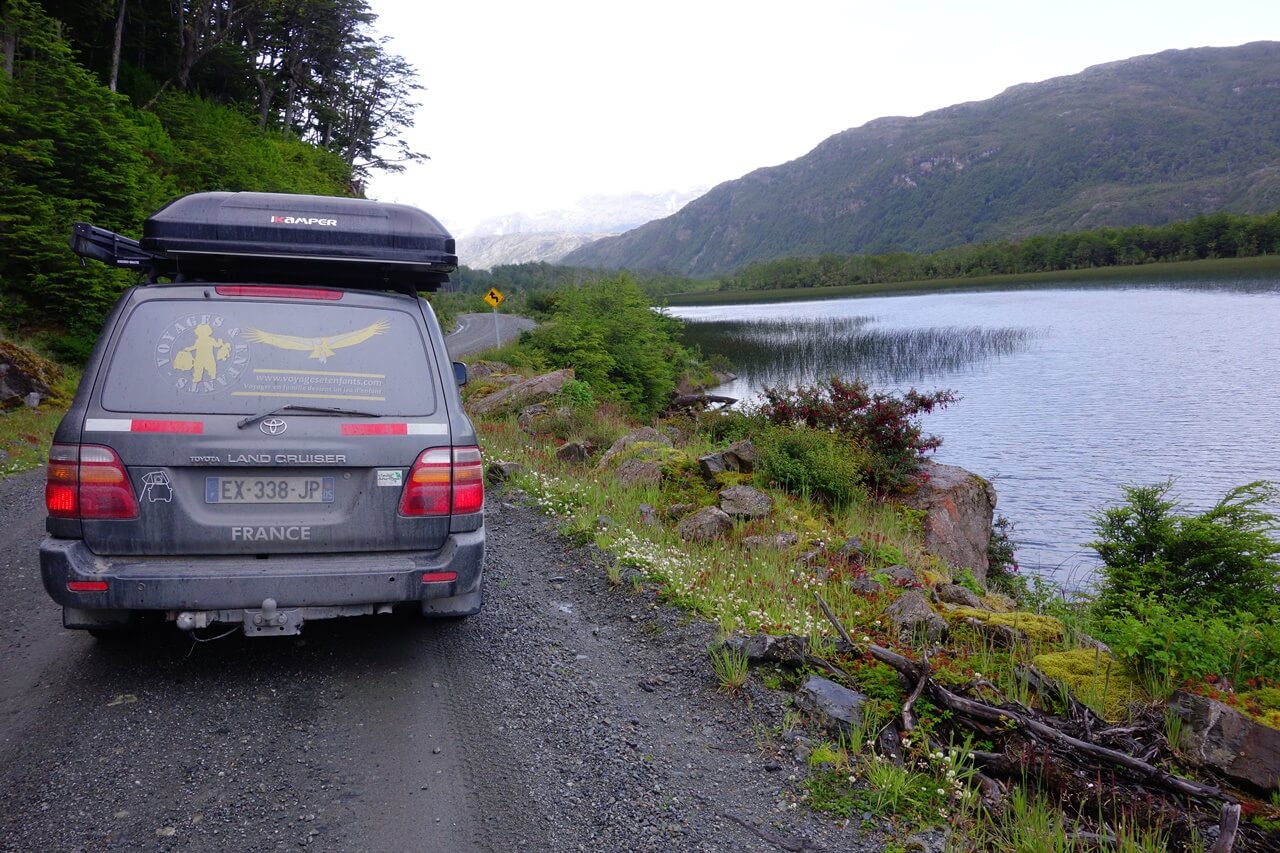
(914, 620)
(745, 502)
(523, 393)
(739, 457)
(958, 507)
(952, 593)
(639, 472)
(1219, 737)
(705, 525)
(832, 706)
(481, 369)
(576, 452)
(644, 435)
(787, 649)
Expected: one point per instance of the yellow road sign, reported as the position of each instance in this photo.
(494, 297)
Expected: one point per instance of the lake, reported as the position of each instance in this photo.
(1068, 393)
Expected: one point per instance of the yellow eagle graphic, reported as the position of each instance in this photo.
(321, 347)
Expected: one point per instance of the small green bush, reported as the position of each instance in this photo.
(886, 425)
(815, 463)
(1166, 648)
(1223, 560)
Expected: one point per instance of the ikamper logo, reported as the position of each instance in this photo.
(302, 220)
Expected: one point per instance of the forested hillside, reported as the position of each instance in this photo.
(1145, 141)
(110, 108)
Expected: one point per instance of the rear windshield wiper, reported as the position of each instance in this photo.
(319, 410)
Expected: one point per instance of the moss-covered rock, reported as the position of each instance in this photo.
(23, 372)
(1093, 677)
(1033, 625)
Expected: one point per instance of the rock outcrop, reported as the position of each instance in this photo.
(644, 435)
(958, 507)
(739, 457)
(523, 393)
(914, 620)
(745, 502)
(832, 706)
(24, 376)
(1218, 736)
(705, 525)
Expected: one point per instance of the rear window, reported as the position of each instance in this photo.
(234, 357)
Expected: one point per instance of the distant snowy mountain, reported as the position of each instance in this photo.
(550, 235)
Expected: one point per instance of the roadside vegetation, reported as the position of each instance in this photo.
(1184, 601)
(834, 459)
(271, 97)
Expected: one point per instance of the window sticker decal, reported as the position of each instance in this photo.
(201, 353)
(156, 487)
(320, 347)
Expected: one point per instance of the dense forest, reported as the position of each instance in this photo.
(1218, 235)
(110, 108)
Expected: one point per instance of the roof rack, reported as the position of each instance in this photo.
(278, 238)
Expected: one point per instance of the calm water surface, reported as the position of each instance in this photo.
(1068, 394)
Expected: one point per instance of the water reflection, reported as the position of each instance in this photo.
(786, 350)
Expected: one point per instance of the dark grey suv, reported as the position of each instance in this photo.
(269, 429)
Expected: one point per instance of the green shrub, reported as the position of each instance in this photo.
(1223, 560)
(885, 424)
(577, 394)
(613, 339)
(1166, 648)
(815, 463)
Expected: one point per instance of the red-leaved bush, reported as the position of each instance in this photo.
(885, 425)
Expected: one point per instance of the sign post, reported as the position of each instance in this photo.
(494, 297)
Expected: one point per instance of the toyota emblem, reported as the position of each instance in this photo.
(273, 426)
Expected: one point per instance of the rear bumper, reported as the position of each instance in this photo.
(292, 580)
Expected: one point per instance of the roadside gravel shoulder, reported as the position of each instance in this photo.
(612, 714)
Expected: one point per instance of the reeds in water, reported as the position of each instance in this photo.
(788, 351)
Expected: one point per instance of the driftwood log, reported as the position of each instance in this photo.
(1078, 752)
(700, 401)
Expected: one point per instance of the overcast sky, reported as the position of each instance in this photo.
(529, 106)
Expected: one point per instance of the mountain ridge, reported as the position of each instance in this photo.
(1140, 141)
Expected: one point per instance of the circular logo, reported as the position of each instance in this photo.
(201, 353)
(273, 426)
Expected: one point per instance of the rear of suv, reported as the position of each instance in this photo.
(269, 429)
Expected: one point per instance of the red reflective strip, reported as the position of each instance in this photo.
(190, 427)
(439, 577)
(288, 292)
(375, 429)
(87, 586)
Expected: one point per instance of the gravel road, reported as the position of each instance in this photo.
(475, 332)
(569, 715)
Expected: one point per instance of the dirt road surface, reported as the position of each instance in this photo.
(569, 715)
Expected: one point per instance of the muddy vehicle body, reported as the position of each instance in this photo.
(269, 429)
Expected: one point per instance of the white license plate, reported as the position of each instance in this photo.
(268, 490)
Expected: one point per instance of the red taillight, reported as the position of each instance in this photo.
(268, 290)
(468, 480)
(87, 586)
(88, 481)
(439, 577)
(444, 480)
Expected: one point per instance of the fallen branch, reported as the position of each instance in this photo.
(917, 673)
(1227, 828)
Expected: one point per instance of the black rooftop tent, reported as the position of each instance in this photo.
(285, 239)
